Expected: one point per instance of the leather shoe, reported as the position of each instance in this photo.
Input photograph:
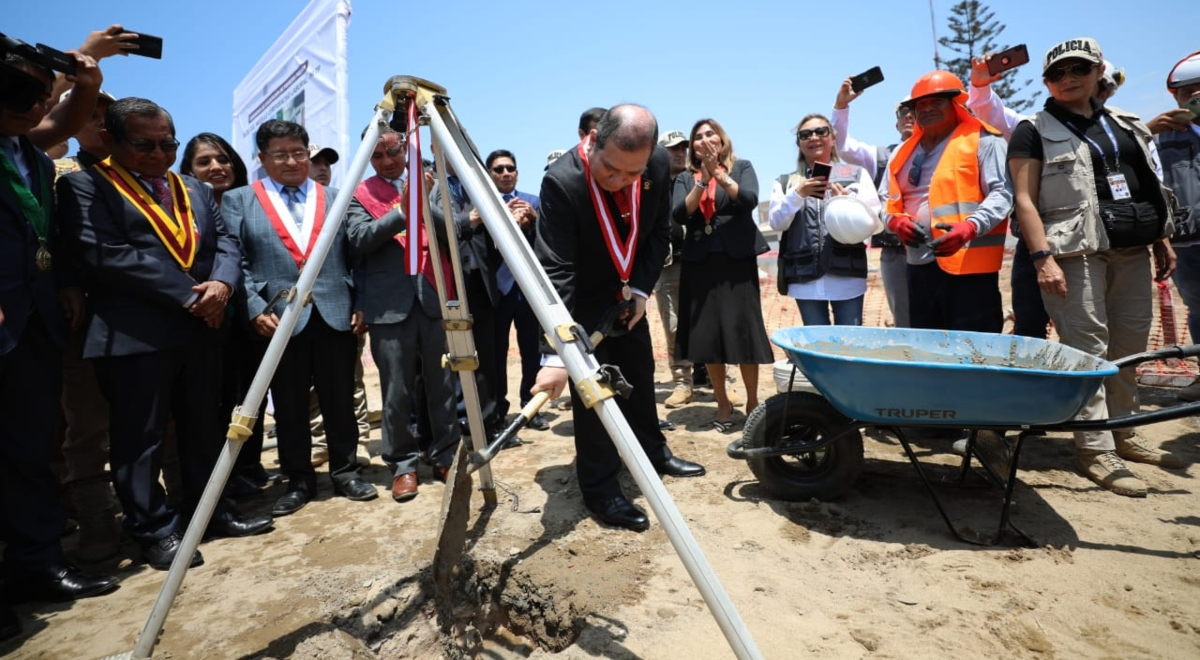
(356, 490)
(440, 472)
(538, 423)
(618, 512)
(159, 554)
(231, 524)
(404, 487)
(58, 584)
(10, 625)
(666, 425)
(677, 467)
(291, 502)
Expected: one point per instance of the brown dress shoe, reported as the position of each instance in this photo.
(440, 472)
(404, 487)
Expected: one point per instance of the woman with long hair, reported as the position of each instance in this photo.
(720, 310)
(212, 160)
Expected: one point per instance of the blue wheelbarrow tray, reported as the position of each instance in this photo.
(913, 377)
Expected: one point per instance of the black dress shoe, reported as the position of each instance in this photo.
(666, 425)
(538, 423)
(159, 554)
(240, 487)
(58, 584)
(231, 524)
(677, 467)
(258, 475)
(618, 512)
(10, 625)
(291, 502)
(356, 490)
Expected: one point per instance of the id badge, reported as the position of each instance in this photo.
(1119, 186)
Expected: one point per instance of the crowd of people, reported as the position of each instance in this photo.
(136, 303)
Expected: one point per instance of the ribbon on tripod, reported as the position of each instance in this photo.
(417, 246)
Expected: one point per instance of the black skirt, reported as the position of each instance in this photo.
(720, 312)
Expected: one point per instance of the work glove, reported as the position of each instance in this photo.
(910, 233)
(957, 235)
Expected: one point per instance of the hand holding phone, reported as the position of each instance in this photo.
(872, 76)
(1008, 59)
(147, 46)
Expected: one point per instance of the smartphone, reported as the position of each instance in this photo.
(821, 169)
(1008, 59)
(147, 46)
(872, 76)
(58, 60)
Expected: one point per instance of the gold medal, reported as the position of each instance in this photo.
(626, 292)
(707, 229)
(42, 259)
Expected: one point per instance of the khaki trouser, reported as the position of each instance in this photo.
(1107, 312)
(666, 294)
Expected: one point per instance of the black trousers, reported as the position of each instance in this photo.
(242, 355)
(321, 358)
(143, 391)
(1030, 317)
(32, 519)
(938, 300)
(514, 309)
(483, 315)
(597, 461)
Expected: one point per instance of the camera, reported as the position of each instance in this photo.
(18, 89)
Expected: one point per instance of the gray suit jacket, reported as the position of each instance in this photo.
(268, 267)
(388, 291)
(474, 243)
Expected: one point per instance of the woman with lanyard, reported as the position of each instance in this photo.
(720, 309)
(819, 272)
(1089, 204)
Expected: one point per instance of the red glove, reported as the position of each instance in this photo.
(910, 233)
(956, 236)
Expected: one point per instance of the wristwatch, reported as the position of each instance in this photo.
(725, 180)
(1039, 255)
(701, 185)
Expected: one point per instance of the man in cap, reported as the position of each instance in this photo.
(948, 201)
(322, 160)
(553, 156)
(618, 179)
(666, 291)
(1178, 139)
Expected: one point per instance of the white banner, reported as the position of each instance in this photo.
(302, 78)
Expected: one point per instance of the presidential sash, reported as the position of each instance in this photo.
(178, 233)
(314, 219)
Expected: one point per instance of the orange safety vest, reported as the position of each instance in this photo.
(954, 193)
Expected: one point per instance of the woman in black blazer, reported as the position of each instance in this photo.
(720, 313)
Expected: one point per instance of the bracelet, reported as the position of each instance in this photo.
(701, 185)
(1040, 254)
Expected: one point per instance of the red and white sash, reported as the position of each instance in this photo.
(298, 240)
(621, 252)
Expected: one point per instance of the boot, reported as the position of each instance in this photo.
(99, 534)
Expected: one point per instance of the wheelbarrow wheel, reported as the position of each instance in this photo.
(824, 473)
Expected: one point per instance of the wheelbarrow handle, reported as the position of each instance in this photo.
(1161, 354)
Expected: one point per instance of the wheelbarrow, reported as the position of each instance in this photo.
(802, 445)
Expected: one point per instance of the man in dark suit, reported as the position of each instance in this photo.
(612, 190)
(32, 333)
(159, 268)
(278, 220)
(404, 314)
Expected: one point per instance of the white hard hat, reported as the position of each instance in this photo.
(1112, 78)
(1186, 72)
(849, 220)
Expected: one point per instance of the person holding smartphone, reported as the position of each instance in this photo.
(1090, 205)
(818, 271)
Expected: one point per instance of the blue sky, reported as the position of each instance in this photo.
(520, 73)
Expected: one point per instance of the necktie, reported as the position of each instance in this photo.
(456, 191)
(291, 195)
(161, 192)
(504, 276)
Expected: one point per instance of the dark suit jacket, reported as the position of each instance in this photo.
(268, 267)
(571, 245)
(733, 225)
(388, 291)
(473, 241)
(136, 289)
(23, 288)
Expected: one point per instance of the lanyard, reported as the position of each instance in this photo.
(1112, 138)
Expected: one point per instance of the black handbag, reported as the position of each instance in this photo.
(1131, 224)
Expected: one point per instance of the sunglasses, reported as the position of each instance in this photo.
(148, 146)
(820, 131)
(501, 169)
(904, 111)
(1078, 69)
(914, 173)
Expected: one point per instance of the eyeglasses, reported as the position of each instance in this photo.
(395, 151)
(1078, 69)
(281, 157)
(914, 174)
(148, 146)
(903, 111)
(820, 131)
(501, 169)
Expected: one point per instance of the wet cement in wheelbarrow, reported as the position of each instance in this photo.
(1051, 357)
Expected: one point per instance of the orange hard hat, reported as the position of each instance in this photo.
(937, 83)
